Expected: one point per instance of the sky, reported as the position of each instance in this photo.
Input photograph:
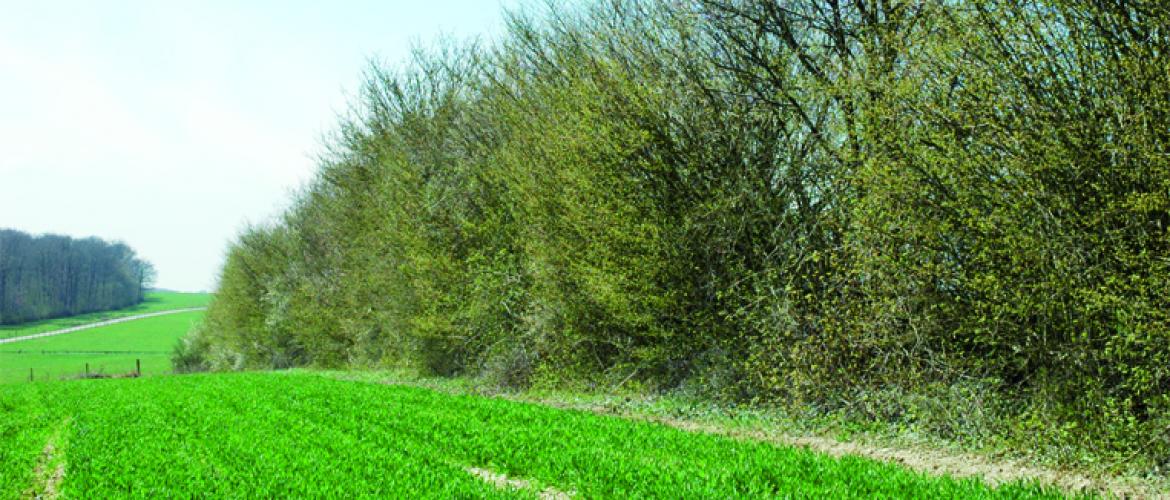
(173, 125)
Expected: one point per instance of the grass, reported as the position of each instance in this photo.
(156, 301)
(110, 349)
(304, 435)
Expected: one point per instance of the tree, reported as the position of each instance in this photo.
(49, 276)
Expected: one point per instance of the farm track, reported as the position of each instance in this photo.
(98, 324)
(50, 468)
(935, 462)
(504, 482)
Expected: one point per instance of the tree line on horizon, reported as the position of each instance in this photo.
(51, 276)
(839, 206)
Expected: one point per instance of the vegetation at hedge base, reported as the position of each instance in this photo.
(52, 276)
(874, 209)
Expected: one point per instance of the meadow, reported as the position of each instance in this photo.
(156, 301)
(279, 435)
(110, 350)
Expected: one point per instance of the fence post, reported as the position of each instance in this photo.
(138, 367)
(87, 370)
(30, 375)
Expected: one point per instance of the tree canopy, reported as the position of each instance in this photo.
(51, 276)
(805, 203)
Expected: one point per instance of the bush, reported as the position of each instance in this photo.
(799, 206)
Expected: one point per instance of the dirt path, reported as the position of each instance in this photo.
(50, 468)
(935, 462)
(97, 324)
(504, 482)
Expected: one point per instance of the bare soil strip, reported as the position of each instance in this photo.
(935, 462)
(502, 481)
(50, 469)
(929, 461)
(99, 323)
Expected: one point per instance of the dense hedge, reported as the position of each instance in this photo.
(804, 203)
(50, 276)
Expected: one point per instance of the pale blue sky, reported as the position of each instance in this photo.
(170, 125)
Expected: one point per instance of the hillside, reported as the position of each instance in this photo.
(108, 350)
(154, 301)
(114, 349)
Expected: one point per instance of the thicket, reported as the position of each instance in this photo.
(831, 205)
(51, 276)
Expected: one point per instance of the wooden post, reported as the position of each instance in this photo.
(87, 370)
(138, 367)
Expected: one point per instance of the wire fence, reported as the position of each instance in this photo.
(84, 372)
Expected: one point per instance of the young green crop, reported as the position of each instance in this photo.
(24, 427)
(280, 435)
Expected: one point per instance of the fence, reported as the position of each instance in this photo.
(87, 373)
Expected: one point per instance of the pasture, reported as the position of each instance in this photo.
(109, 350)
(156, 301)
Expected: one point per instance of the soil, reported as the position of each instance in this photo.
(936, 462)
(47, 486)
(929, 461)
(502, 481)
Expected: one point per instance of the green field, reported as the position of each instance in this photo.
(271, 435)
(263, 435)
(110, 349)
(155, 301)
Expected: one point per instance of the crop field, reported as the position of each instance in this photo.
(156, 301)
(280, 435)
(110, 349)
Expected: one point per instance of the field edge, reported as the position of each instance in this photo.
(992, 467)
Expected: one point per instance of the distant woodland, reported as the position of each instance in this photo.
(948, 215)
(51, 276)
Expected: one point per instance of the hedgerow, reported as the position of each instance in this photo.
(798, 203)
